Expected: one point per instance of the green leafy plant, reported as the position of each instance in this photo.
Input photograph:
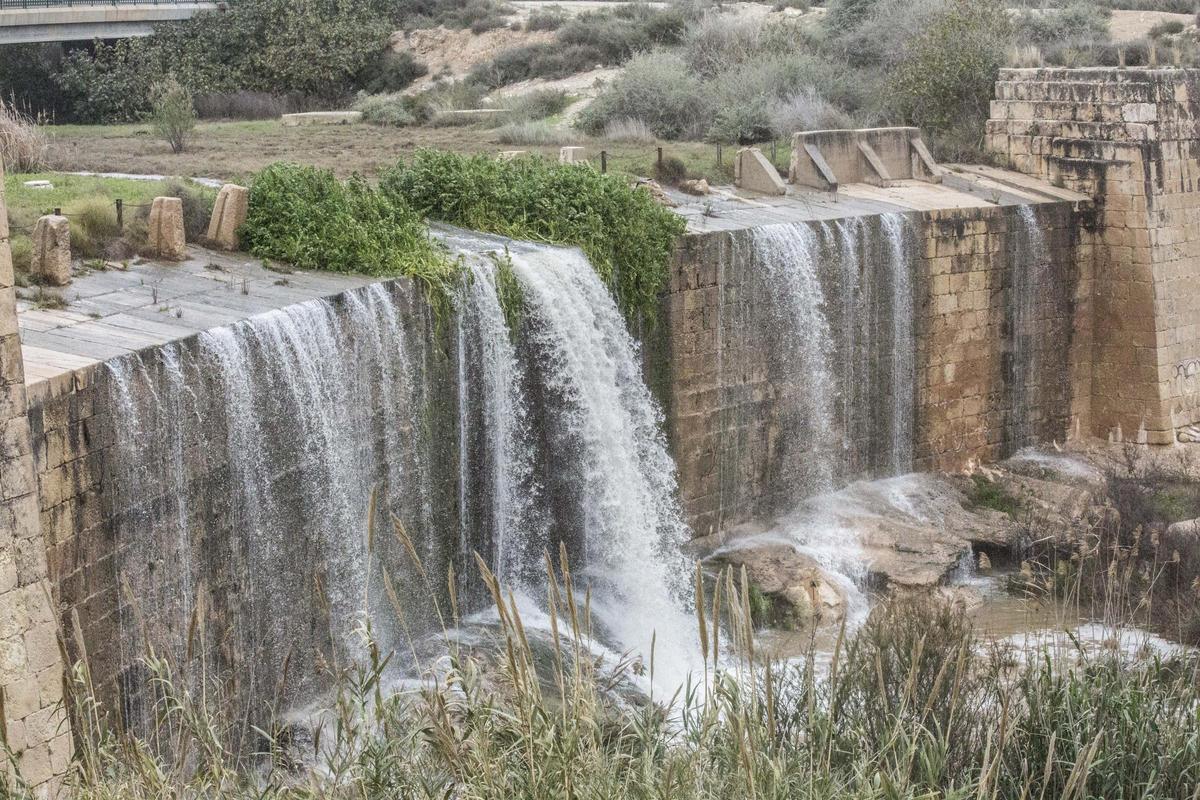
(172, 114)
(626, 234)
(308, 218)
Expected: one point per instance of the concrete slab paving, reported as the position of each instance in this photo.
(113, 312)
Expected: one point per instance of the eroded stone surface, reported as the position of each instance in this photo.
(52, 250)
(166, 238)
(229, 213)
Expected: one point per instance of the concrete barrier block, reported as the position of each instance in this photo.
(754, 172)
(572, 155)
(229, 212)
(52, 250)
(167, 239)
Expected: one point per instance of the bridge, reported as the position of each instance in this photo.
(26, 21)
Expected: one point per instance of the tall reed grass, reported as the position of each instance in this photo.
(910, 706)
(23, 145)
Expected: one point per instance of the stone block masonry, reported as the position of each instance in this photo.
(1000, 342)
(1128, 138)
(34, 724)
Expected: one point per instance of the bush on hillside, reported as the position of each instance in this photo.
(625, 233)
(945, 79)
(594, 38)
(658, 88)
(1170, 27)
(391, 72)
(1078, 22)
(548, 19)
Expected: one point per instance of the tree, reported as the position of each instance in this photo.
(945, 78)
(172, 115)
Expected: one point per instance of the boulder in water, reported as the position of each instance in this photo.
(796, 588)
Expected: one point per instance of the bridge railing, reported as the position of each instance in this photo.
(24, 4)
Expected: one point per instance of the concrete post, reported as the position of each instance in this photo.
(166, 235)
(35, 724)
(52, 250)
(229, 212)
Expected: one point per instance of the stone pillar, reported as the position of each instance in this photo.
(229, 212)
(1127, 137)
(52, 250)
(35, 725)
(166, 237)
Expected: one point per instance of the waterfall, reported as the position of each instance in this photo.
(790, 296)
(833, 304)
(246, 459)
(244, 464)
(626, 522)
(1029, 268)
(901, 241)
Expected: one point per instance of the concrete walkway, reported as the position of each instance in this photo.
(111, 313)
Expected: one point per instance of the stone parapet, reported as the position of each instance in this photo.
(1128, 138)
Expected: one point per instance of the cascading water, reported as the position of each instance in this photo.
(248, 458)
(621, 505)
(1030, 263)
(834, 304)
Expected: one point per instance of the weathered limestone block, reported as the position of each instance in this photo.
(229, 212)
(37, 730)
(52, 250)
(572, 155)
(166, 237)
(753, 171)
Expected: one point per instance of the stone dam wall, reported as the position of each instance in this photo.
(995, 359)
(914, 341)
(1128, 138)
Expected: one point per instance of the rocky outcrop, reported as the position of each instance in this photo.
(799, 590)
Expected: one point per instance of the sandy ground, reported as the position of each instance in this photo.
(1129, 25)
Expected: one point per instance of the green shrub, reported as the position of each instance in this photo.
(197, 206)
(22, 254)
(536, 105)
(1169, 27)
(93, 227)
(627, 236)
(549, 60)
(396, 110)
(391, 72)
(671, 171)
(661, 90)
(1077, 22)
(172, 115)
(316, 48)
(946, 78)
(306, 217)
(547, 19)
(986, 493)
